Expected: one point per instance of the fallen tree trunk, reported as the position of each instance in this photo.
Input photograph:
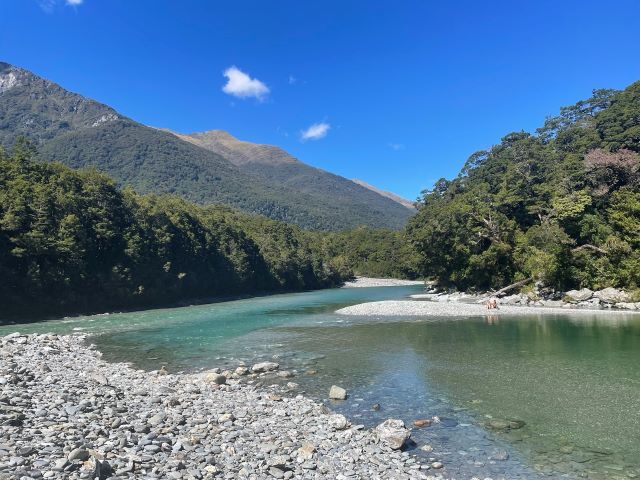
(588, 246)
(510, 287)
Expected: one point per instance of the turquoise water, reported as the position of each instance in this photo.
(575, 381)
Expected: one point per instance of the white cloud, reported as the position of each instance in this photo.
(49, 6)
(396, 146)
(241, 85)
(292, 80)
(315, 131)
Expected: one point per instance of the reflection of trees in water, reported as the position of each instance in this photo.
(129, 348)
(572, 379)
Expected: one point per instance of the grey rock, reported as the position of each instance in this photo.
(60, 464)
(612, 295)
(338, 421)
(627, 306)
(216, 378)
(393, 433)
(265, 367)
(499, 455)
(575, 296)
(241, 371)
(26, 451)
(78, 454)
(337, 393)
(157, 419)
(276, 472)
(98, 378)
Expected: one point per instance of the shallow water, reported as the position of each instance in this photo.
(575, 381)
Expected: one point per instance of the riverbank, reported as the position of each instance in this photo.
(460, 309)
(65, 413)
(364, 282)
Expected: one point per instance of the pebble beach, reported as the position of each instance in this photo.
(66, 413)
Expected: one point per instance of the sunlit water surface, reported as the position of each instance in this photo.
(574, 380)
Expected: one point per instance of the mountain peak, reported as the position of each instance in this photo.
(237, 151)
(40, 109)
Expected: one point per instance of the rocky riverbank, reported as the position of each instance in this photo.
(436, 303)
(539, 297)
(65, 413)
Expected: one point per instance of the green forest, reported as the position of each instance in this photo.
(71, 241)
(561, 206)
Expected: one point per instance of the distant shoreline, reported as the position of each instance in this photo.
(459, 309)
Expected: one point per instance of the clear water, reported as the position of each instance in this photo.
(575, 381)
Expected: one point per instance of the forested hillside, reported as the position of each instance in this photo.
(80, 132)
(371, 253)
(561, 206)
(325, 191)
(71, 241)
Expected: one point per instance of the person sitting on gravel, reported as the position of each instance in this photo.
(492, 303)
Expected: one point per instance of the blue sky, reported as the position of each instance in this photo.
(397, 93)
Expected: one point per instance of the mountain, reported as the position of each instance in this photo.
(81, 132)
(384, 193)
(273, 164)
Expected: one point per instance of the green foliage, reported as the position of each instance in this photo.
(370, 252)
(71, 241)
(562, 206)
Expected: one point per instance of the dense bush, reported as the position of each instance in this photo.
(561, 206)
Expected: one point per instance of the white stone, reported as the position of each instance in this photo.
(265, 367)
(337, 393)
(338, 421)
(393, 433)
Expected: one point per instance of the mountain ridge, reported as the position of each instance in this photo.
(396, 198)
(274, 162)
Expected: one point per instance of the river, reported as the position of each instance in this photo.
(573, 381)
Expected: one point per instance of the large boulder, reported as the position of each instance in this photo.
(265, 367)
(337, 393)
(575, 296)
(392, 433)
(612, 295)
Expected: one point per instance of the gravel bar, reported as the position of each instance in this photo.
(400, 308)
(66, 413)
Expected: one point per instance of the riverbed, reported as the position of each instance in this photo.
(569, 385)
